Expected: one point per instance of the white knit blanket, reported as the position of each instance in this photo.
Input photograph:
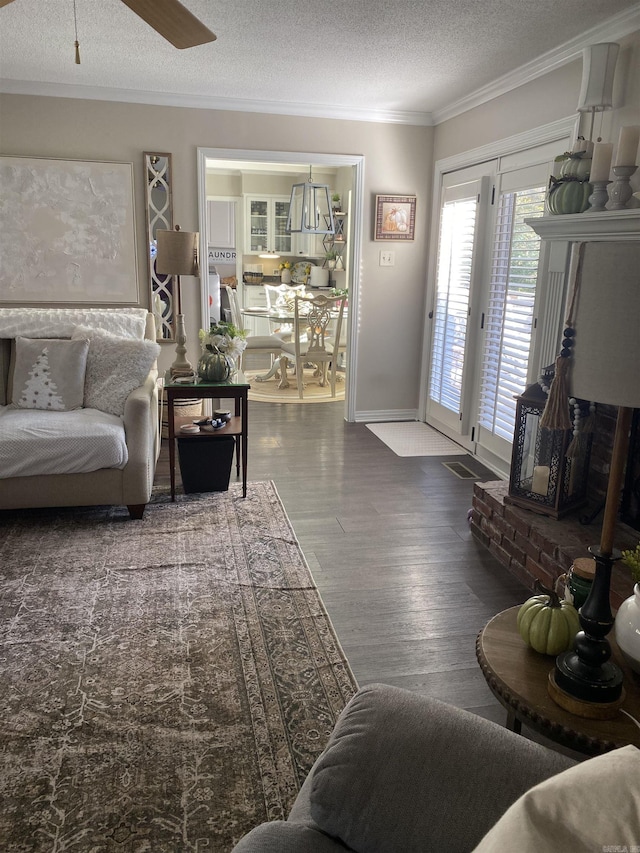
(60, 322)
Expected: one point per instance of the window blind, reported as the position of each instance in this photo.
(509, 318)
(453, 282)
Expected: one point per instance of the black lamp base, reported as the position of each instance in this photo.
(587, 683)
(585, 675)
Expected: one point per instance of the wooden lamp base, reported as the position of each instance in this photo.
(582, 708)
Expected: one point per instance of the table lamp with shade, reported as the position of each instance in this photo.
(177, 255)
(598, 72)
(603, 351)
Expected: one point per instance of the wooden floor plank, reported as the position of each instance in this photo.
(387, 541)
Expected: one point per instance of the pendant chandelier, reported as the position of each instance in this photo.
(310, 209)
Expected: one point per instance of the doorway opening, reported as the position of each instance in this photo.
(249, 192)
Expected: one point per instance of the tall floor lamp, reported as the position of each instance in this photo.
(604, 368)
(178, 255)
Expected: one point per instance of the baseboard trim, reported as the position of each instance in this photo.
(380, 416)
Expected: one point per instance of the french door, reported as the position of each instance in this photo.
(484, 304)
(466, 197)
(508, 321)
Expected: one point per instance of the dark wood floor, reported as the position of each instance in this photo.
(386, 537)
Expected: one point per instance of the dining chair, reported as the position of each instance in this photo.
(317, 338)
(280, 298)
(256, 344)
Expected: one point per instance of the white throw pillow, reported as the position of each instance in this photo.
(592, 806)
(49, 374)
(115, 367)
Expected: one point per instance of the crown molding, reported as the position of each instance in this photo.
(206, 102)
(550, 132)
(615, 28)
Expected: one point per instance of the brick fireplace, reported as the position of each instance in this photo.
(533, 546)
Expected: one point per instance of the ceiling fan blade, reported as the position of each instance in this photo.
(5, 3)
(172, 21)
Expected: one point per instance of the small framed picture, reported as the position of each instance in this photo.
(395, 217)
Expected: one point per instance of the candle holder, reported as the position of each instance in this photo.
(599, 197)
(620, 191)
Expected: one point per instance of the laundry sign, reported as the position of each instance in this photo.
(222, 256)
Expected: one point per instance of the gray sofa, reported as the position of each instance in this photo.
(406, 774)
(130, 486)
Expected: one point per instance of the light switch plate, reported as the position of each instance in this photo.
(387, 258)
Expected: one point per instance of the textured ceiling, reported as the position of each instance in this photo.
(411, 56)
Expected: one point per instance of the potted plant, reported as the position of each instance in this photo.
(221, 346)
(285, 272)
(341, 291)
(330, 259)
(335, 201)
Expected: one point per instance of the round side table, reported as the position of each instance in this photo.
(518, 678)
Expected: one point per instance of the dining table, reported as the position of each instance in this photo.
(275, 315)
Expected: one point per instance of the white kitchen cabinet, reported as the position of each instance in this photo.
(307, 245)
(221, 224)
(266, 225)
(254, 296)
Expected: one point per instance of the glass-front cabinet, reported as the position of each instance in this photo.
(281, 239)
(266, 220)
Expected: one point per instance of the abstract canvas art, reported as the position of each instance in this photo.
(67, 232)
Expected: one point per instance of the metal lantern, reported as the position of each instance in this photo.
(543, 478)
(310, 209)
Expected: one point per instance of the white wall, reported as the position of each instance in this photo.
(398, 160)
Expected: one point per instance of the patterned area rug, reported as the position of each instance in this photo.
(268, 392)
(165, 684)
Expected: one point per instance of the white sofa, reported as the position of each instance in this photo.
(128, 479)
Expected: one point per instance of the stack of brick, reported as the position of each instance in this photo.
(533, 546)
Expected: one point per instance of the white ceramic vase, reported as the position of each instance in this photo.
(285, 276)
(627, 629)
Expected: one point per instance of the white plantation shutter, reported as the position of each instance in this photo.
(453, 284)
(509, 316)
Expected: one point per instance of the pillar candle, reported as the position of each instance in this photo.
(627, 146)
(601, 163)
(540, 483)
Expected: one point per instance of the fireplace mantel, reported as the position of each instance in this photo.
(558, 233)
(587, 227)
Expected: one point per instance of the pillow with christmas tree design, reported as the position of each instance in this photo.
(49, 374)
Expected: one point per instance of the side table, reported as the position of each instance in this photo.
(518, 678)
(237, 426)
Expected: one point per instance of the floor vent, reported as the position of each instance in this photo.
(461, 471)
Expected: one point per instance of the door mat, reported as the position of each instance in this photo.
(411, 438)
